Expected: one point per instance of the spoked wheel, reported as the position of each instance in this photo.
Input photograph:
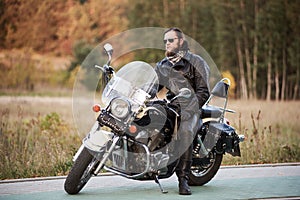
(204, 172)
(81, 172)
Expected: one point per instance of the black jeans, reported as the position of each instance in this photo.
(184, 144)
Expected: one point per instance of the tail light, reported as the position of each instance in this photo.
(227, 121)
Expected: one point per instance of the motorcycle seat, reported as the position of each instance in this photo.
(210, 112)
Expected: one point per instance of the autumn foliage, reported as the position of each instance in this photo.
(257, 41)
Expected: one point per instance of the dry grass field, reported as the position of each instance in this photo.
(37, 137)
(272, 131)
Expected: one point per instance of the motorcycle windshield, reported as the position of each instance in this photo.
(136, 80)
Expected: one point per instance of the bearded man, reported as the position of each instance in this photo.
(183, 69)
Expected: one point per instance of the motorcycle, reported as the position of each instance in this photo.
(134, 132)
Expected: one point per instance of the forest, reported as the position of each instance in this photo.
(256, 42)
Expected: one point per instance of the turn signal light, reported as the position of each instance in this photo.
(96, 108)
(132, 129)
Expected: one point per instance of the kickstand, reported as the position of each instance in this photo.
(160, 187)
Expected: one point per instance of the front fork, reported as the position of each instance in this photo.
(97, 142)
(107, 154)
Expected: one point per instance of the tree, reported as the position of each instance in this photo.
(293, 49)
(32, 24)
(258, 41)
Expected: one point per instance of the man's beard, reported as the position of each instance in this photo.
(170, 53)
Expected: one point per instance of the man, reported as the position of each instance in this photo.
(182, 69)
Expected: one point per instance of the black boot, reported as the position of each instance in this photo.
(183, 170)
(185, 140)
(184, 188)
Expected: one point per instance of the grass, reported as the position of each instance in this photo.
(271, 130)
(37, 137)
(42, 145)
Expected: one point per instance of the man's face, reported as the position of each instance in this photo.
(172, 42)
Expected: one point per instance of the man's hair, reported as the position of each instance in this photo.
(179, 32)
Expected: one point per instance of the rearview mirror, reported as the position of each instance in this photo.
(185, 93)
(108, 48)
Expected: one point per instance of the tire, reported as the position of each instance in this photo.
(202, 174)
(80, 172)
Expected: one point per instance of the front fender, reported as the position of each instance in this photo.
(97, 138)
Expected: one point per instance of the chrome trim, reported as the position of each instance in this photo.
(106, 155)
(241, 138)
(136, 175)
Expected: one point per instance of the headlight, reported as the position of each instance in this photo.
(120, 108)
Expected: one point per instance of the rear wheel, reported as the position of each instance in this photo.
(82, 170)
(202, 173)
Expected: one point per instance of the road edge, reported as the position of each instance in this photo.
(111, 174)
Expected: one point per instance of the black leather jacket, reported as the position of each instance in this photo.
(191, 72)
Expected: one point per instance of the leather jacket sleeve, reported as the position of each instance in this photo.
(201, 79)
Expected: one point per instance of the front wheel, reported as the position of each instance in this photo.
(202, 173)
(81, 172)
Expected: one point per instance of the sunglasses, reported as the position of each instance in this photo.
(171, 40)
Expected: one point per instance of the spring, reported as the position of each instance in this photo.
(196, 148)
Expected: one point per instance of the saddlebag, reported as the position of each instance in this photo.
(223, 137)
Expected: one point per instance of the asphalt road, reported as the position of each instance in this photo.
(245, 182)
